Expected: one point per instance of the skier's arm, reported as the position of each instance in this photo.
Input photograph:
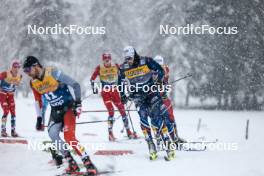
(155, 67)
(3, 75)
(93, 77)
(63, 78)
(95, 73)
(121, 81)
(38, 101)
(167, 75)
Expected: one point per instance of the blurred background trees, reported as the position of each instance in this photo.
(228, 70)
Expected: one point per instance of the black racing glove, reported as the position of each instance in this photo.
(77, 108)
(95, 91)
(39, 123)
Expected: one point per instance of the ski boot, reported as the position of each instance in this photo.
(152, 150)
(131, 135)
(170, 152)
(56, 157)
(73, 166)
(58, 160)
(111, 136)
(14, 133)
(4, 134)
(91, 169)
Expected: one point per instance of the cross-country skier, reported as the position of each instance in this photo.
(167, 102)
(108, 74)
(138, 71)
(65, 106)
(9, 80)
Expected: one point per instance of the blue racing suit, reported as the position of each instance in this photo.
(148, 103)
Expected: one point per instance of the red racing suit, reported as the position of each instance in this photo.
(109, 76)
(166, 100)
(8, 83)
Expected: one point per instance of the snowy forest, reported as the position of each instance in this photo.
(227, 70)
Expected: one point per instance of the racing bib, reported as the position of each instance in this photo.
(48, 84)
(108, 74)
(137, 72)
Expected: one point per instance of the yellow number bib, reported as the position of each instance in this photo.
(48, 84)
(108, 74)
(10, 79)
(136, 72)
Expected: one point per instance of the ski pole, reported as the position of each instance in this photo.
(105, 110)
(127, 112)
(87, 96)
(95, 121)
(184, 77)
(129, 116)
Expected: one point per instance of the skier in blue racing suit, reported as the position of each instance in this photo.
(138, 72)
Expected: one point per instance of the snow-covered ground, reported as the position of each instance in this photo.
(227, 127)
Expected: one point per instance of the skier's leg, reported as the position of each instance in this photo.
(54, 130)
(142, 108)
(5, 107)
(144, 124)
(167, 121)
(108, 104)
(43, 110)
(168, 104)
(159, 115)
(174, 135)
(115, 97)
(12, 108)
(120, 106)
(69, 135)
